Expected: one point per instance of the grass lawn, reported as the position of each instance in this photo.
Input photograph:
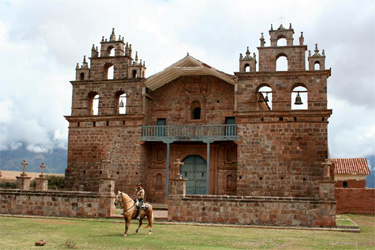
(22, 233)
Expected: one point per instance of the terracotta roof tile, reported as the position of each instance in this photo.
(357, 166)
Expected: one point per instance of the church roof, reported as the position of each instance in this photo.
(187, 66)
(356, 166)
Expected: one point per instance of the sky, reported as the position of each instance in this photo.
(42, 41)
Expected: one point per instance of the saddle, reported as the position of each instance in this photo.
(145, 206)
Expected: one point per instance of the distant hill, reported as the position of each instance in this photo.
(56, 160)
(370, 179)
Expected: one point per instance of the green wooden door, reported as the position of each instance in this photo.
(195, 171)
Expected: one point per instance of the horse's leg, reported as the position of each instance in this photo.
(140, 222)
(150, 218)
(127, 223)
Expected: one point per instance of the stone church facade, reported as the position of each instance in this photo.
(240, 134)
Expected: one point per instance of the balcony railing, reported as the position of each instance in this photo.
(221, 132)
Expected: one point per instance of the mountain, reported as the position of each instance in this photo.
(370, 179)
(56, 160)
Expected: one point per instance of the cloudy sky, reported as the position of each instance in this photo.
(41, 42)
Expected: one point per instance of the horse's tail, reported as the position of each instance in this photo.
(150, 220)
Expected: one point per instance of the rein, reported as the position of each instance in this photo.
(123, 203)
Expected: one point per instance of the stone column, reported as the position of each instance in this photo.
(327, 190)
(107, 197)
(41, 182)
(23, 181)
(178, 187)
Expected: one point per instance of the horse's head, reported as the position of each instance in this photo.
(118, 199)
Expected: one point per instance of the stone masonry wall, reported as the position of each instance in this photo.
(223, 166)
(56, 203)
(173, 101)
(107, 90)
(355, 200)
(281, 159)
(253, 210)
(282, 84)
(90, 146)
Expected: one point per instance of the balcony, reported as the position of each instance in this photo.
(221, 132)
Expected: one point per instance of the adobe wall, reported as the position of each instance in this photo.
(252, 210)
(351, 183)
(56, 203)
(355, 200)
(173, 100)
(281, 159)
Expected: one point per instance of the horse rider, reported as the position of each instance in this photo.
(139, 196)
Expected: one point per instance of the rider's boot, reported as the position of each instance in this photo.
(138, 214)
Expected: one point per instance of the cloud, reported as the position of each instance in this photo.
(41, 42)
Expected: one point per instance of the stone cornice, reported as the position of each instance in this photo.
(244, 75)
(103, 118)
(285, 113)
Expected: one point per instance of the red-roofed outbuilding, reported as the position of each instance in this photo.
(350, 172)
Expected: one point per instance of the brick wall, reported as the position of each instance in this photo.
(355, 200)
(351, 183)
(253, 210)
(56, 203)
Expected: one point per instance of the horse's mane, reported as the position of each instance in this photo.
(125, 196)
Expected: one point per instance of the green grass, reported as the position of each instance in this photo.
(22, 233)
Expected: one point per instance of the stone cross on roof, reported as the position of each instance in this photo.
(178, 164)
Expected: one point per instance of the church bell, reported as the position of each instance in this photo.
(266, 98)
(121, 105)
(298, 100)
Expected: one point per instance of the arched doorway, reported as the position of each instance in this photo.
(195, 171)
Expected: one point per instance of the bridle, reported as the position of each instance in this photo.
(123, 203)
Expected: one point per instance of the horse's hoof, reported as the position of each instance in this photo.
(125, 235)
(149, 233)
(136, 231)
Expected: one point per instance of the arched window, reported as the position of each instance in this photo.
(264, 96)
(317, 66)
(196, 110)
(299, 97)
(109, 71)
(121, 102)
(281, 41)
(247, 68)
(93, 103)
(282, 63)
(111, 51)
(134, 73)
(82, 76)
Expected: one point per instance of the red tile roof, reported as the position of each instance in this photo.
(356, 166)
